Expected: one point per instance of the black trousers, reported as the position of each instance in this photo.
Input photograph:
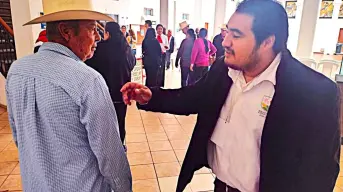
(185, 73)
(163, 71)
(220, 186)
(198, 73)
(121, 109)
(151, 76)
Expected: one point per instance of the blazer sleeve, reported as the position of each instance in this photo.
(184, 101)
(180, 51)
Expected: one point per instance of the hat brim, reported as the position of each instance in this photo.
(181, 28)
(71, 15)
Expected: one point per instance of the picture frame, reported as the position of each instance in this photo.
(291, 9)
(326, 9)
(340, 13)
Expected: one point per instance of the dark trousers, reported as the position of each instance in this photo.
(121, 109)
(151, 76)
(185, 72)
(168, 57)
(162, 71)
(198, 73)
(220, 186)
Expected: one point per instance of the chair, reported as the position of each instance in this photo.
(329, 68)
(311, 63)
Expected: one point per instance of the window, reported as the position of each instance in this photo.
(185, 16)
(148, 11)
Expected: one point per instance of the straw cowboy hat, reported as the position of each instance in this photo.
(183, 25)
(223, 26)
(64, 10)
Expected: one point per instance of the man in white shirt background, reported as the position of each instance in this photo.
(266, 122)
(163, 40)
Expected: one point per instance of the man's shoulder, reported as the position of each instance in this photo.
(308, 81)
(57, 69)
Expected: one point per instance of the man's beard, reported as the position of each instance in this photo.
(251, 61)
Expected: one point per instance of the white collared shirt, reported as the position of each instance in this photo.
(234, 148)
(164, 43)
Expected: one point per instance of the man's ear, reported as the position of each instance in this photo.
(65, 30)
(269, 42)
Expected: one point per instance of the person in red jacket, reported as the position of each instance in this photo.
(41, 39)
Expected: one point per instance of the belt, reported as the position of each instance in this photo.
(220, 186)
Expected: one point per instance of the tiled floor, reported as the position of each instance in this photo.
(156, 144)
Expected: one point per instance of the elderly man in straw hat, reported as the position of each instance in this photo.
(218, 40)
(184, 27)
(60, 110)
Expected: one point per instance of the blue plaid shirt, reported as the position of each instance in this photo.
(65, 125)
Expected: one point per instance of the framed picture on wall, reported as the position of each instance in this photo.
(340, 14)
(291, 9)
(326, 9)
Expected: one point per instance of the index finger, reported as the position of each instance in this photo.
(129, 86)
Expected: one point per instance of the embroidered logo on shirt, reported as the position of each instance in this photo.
(266, 103)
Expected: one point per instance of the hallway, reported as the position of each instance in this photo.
(156, 144)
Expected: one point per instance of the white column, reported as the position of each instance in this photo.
(310, 14)
(164, 12)
(198, 21)
(219, 17)
(24, 37)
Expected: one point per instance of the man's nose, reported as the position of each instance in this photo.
(227, 42)
(97, 36)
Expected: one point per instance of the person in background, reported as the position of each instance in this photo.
(124, 31)
(152, 56)
(164, 31)
(218, 40)
(101, 29)
(148, 24)
(170, 51)
(184, 56)
(41, 39)
(201, 53)
(184, 27)
(163, 40)
(197, 32)
(113, 59)
(132, 40)
(266, 122)
(60, 110)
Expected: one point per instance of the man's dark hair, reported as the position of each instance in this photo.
(270, 18)
(149, 23)
(123, 26)
(52, 31)
(159, 25)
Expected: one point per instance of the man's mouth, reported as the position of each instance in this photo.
(229, 52)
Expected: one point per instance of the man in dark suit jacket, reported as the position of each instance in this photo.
(170, 51)
(266, 122)
(218, 40)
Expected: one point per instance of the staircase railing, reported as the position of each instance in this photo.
(7, 47)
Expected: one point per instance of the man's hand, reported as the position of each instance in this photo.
(191, 67)
(136, 92)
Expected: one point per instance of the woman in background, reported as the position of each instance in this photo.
(200, 60)
(132, 40)
(113, 59)
(152, 55)
(184, 54)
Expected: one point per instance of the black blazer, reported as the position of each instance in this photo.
(217, 42)
(152, 53)
(300, 141)
(171, 45)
